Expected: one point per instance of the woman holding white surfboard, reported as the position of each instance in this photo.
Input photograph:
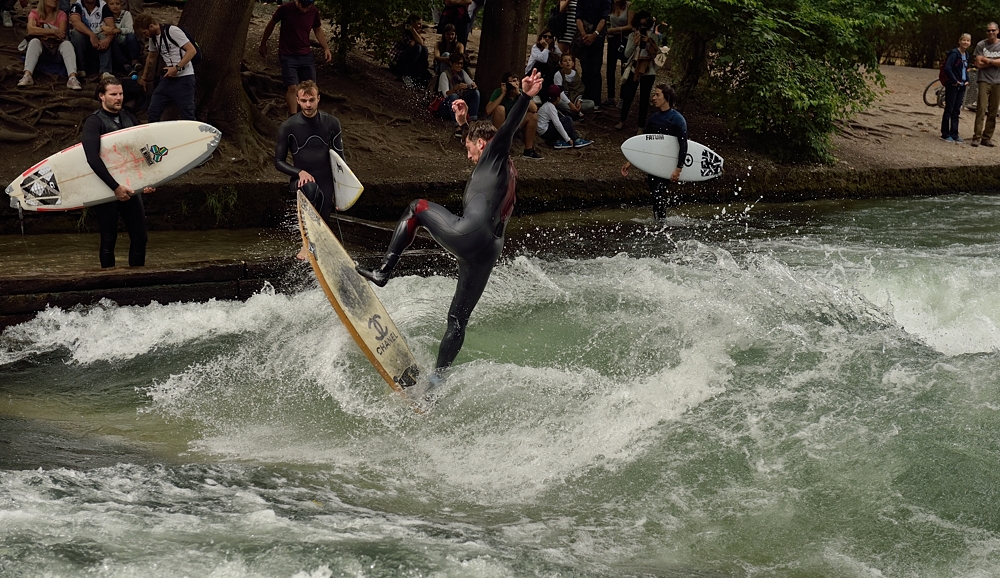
(666, 120)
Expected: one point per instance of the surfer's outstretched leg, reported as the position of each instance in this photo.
(402, 237)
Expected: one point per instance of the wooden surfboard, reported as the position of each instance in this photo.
(355, 301)
(146, 155)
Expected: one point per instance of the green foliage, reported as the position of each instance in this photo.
(376, 25)
(220, 200)
(783, 71)
(925, 41)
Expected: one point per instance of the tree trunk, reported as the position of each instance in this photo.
(689, 55)
(503, 45)
(543, 16)
(220, 28)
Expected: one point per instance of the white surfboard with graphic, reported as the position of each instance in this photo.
(656, 154)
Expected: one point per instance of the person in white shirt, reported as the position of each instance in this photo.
(177, 84)
(571, 102)
(557, 130)
(540, 54)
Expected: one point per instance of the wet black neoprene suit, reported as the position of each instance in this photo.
(310, 140)
(475, 238)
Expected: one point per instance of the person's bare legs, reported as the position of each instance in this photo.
(498, 116)
(293, 105)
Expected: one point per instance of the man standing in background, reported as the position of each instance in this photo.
(987, 56)
(591, 28)
(297, 19)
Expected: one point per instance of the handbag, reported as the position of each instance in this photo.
(435, 104)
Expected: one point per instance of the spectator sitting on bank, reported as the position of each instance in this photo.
(544, 55)
(502, 100)
(7, 8)
(571, 102)
(85, 20)
(125, 49)
(557, 131)
(47, 28)
(454, 84)
(445, 47)
(408, 59)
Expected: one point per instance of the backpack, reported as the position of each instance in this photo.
(942, 75)
(197, 49)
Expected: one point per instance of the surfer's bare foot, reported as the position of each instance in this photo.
(376, 276)
(303, 255)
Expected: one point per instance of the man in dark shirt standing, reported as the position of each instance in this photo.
(109, 118)
(297, 19)
(591, 28)
(310, 135)
(666, 120)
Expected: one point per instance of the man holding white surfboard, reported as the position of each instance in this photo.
(476, 237)
(309, 135)
(110, 118)
(666, 120)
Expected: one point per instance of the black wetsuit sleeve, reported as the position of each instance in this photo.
(510, 125)
(682, 141)
(91, 139)
(281, 153)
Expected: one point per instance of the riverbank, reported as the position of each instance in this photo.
(400, 152)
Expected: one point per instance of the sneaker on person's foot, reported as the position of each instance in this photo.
(531, 154)
(958, 140)
(81, 74)
(947, 139)
(619, 126)
(987, 143)
(608, 104)
(73, 84)
(975, 142)
(7, 22)
(561, 144)
(26, 80)
(580, 143)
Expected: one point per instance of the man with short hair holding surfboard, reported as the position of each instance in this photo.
(309, 135)
(476, 237)
(109, 118)
(666, 120)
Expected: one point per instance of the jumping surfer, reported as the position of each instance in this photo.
(476, 237)
(309, 135)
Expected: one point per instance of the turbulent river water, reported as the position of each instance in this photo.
(807, 391)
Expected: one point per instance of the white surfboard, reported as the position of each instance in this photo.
(355, 301)
(146, 155)
(347, 187)
(656, 154)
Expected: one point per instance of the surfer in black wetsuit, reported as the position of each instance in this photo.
(309, 135)
(109, 118)
(475, 238)
(666, 120)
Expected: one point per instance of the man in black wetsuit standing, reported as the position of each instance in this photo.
(109, 118)
(309, 135)
(475, 238)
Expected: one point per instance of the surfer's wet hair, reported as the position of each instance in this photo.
(481, 129)
(668, 93)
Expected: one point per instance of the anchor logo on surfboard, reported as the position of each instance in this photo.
(380, 330)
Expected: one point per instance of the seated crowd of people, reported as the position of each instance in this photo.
(550, 117)
(68, 38)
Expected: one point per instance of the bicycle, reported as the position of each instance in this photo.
(934, 94)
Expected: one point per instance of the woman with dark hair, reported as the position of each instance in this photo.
(408, 58)
(640, 72)
(544, 56)
(445, 47)
(666, 120)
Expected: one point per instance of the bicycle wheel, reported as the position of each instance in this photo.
(931, 97)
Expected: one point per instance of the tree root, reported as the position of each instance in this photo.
(10, 136)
